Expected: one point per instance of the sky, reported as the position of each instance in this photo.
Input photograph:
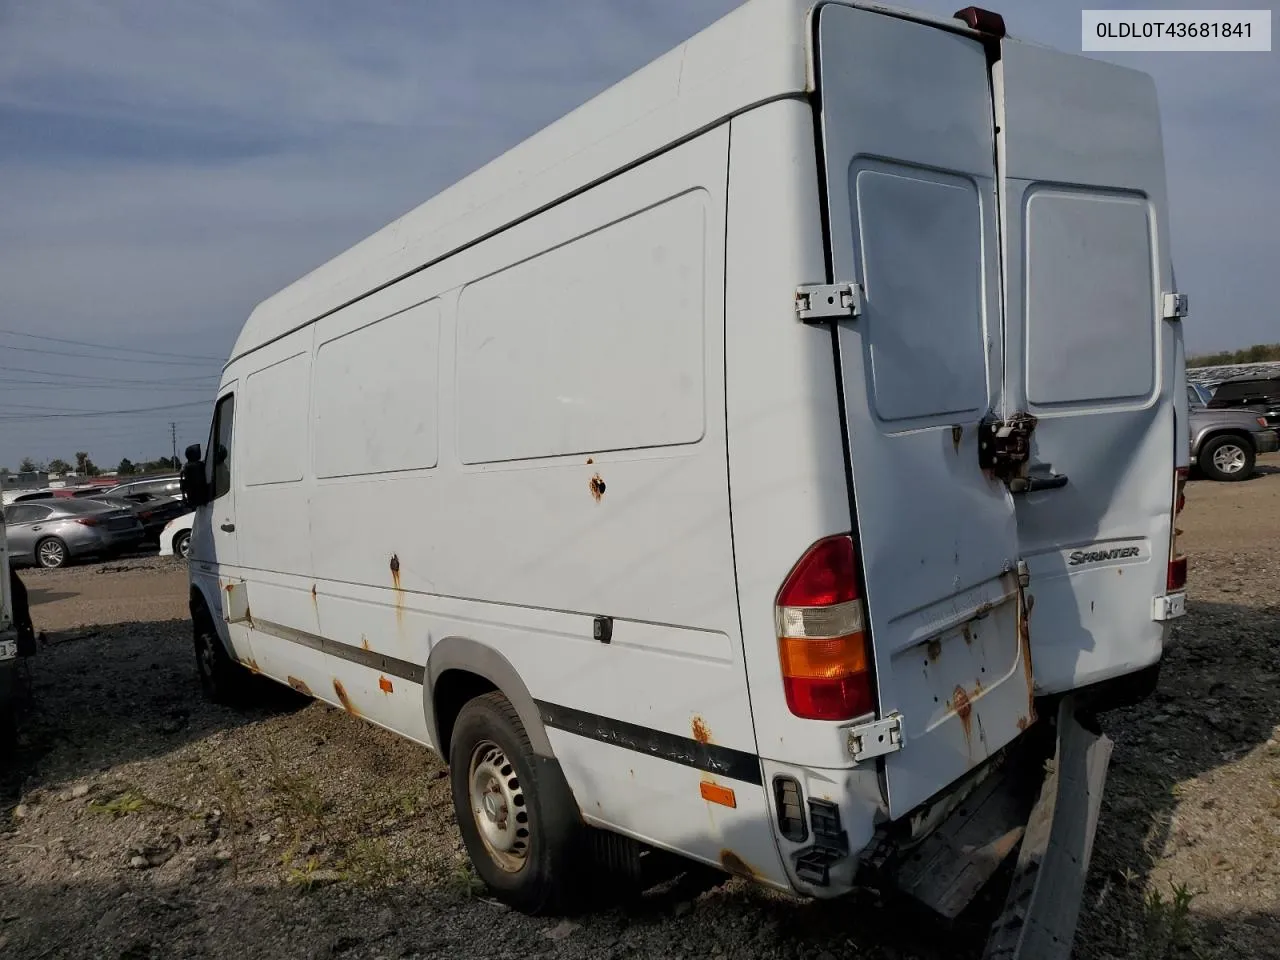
(166, 166)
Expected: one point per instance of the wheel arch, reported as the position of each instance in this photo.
(1215, 433)
(460, 668)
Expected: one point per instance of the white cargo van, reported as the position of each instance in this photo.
(740, 467)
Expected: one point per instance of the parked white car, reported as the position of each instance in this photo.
(175, 538)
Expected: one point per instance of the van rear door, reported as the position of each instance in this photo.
(909, 146)
(1089, 353)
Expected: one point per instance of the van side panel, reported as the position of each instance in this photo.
(522, 439)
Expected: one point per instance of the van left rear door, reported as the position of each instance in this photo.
(909, 150)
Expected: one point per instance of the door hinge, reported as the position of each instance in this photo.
(871, 740)
(1176, 306)
(1169, 607)
(828, 301)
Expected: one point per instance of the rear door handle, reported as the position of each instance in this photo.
(1037, 482)
(229, 527)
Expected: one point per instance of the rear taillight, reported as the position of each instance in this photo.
(822, 644)
(1177, 578)
(88, 521)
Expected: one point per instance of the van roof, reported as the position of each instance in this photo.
(754, 54)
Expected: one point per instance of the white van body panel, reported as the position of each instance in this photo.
(560, 430)
(756, 53)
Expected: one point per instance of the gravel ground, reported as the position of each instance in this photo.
(139, 821)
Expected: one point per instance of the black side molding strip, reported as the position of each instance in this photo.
(722, 761)
(345, 651)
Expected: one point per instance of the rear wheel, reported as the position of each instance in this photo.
(521, 835)
(222, 679)
(1227, 459)
(182, 544)
(51, 553)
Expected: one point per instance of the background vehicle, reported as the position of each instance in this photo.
(1260, 394)
(147, 488)
(49, 534)
(1225, 443)
(152, 512)
(175, 538)
(723, 437)
(8, 649)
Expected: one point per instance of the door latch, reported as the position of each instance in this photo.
(871, 740)
(828, 301)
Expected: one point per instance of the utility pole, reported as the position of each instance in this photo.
(173, 437)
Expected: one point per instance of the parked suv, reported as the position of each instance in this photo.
(1260, 394)
(1225, 443)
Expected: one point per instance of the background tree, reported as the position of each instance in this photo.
(1258, 353)
(58, 465)
(126, 467)
(27, 466)
(85, 466)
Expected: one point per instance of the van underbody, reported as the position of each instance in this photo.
(774, 462)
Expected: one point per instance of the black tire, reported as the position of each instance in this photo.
(182, 544)
(1228, 459)
(222, 679)
(51, 553)
(538, 874)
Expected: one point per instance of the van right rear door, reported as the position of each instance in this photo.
(1089, 353)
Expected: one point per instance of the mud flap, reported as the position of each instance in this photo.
(1040, 914)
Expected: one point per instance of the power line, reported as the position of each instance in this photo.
(102, 379)
(94, 356)
(7, 384)
(98, 413)
(106, 346)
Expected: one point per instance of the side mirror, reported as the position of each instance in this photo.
(193, 453)
(195, 489)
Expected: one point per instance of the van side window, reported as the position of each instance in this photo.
(219, 454)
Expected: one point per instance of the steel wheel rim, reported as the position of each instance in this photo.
(1229, 458)
(498, 806)
(184, 546)
(52, 554)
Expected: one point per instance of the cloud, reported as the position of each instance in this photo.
(167, 166)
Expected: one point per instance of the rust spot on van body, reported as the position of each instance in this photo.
(395, 570)
(701, 732)
(300, 686)
(596, 485)
(734, 864)
(364, 642)
(590, 461)
(1026, 603)
(385, 685)
(957, 433)
(251, 664)
(964, 710)
(343, 699)
(314, 598)
(934, 650)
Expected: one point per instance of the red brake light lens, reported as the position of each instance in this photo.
(1176, 579)
(984, 21)
(825, 576)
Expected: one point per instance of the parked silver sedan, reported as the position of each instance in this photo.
(49, 533)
